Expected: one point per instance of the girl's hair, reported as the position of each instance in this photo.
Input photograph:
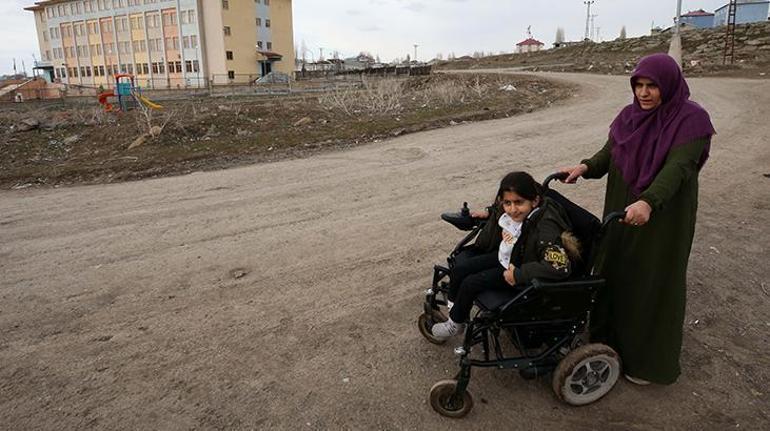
(522, 184)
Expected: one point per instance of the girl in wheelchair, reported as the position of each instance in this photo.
(534, 242)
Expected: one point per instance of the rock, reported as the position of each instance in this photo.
(138, 142)
(398, 132)
(28, 124)
(238, 273)
(155, 131)
(224, 108)
(71, 140)
(242, 132)
(303, 121)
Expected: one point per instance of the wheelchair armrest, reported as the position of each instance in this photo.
(535, 285)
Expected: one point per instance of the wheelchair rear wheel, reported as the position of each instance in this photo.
(446, 402)
(586, 374)
(426, 321)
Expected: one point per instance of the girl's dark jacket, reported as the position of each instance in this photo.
(546, 248)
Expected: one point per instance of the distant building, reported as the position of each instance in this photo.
(529, 45)
(163, 43)
(747, 11)
(698, 18)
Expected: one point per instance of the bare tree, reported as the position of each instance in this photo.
(622, 33)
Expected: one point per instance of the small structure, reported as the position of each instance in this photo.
(746, 11)
(529, 45)
(698, 18)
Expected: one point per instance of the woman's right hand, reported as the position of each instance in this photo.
(574, 172)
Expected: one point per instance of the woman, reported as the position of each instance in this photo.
(656, 147)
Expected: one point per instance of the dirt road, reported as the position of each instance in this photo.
(284, 295)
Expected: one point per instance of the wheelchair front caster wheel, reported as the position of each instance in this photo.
(425, 323)
(586, 374)
(446, 402)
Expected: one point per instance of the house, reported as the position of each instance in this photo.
(698, 18)
(529, 45)
(747, 11)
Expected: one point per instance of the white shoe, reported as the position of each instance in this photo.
(447, 329)
(637, 381)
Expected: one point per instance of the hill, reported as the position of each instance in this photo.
(703, 53)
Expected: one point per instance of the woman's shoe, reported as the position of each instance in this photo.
(447, 329)
(637, 381)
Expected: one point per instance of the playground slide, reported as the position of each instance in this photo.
(147, 102)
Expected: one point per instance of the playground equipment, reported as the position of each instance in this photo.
(128, 94)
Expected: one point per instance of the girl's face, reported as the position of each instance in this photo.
(517, 207)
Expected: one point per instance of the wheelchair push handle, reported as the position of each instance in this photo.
(611, 217)
(561, 176)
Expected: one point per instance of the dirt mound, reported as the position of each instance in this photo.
(703, 54)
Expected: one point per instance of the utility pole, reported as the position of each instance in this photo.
(675, 49)
(730, 33)
(588, 3)
(415, 52)
(321, 57)
(593, 32)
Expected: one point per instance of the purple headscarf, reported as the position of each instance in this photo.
(644, 138)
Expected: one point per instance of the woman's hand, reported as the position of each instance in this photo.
(482, 214)
(638, 213)
(508, 275)
(574, 172)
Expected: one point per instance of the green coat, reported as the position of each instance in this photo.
(641, 312)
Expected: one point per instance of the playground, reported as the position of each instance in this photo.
(127, 94)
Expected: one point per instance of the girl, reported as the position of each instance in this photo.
(532, 246)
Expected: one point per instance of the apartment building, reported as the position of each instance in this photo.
(164, 43)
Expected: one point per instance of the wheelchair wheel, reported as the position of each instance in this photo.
(586, 374)
(426, 321)
(446, 403)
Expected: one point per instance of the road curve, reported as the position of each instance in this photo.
(284, 295)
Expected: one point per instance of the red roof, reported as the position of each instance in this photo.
(530, 41)
(699, 12)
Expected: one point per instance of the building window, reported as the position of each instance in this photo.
(259, 22)
(267, 23)
(227, 31)
(259, 44)
(229, 55)
(231, 74)
(269, 46)
(225, 4)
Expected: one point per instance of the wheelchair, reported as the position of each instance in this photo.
(545, 322)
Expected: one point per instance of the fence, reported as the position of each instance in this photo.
(225, 86)
(396, 70)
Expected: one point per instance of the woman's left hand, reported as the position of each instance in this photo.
(638, 213)
(508, 275)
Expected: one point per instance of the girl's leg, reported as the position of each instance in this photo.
(472, 286)
(469, 261)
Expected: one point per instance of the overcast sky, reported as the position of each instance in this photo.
(390, 28)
